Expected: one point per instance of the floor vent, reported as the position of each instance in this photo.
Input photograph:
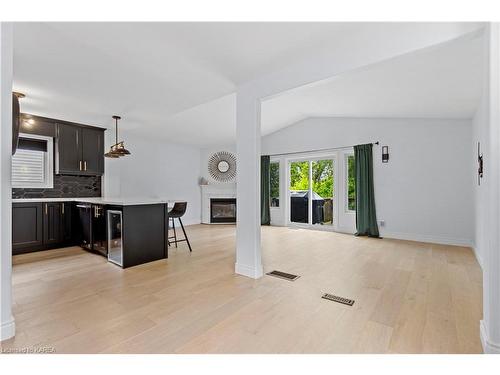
(283, 275)
(338, 299)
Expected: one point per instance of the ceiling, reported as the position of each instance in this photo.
(177, 80)
(149, 71)
(440, 82)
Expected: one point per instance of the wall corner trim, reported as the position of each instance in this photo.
(488, 346)
(249, 271)
(478, 257)
(7, 329)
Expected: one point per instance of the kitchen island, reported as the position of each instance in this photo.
(128, 232)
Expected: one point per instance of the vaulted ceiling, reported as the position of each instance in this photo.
(177, 80)
(439, 82)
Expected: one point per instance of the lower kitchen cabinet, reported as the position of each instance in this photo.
(52, 223)
(92, 225)
(68, 219)
(41, 226)
(27, 227)
(137, 232)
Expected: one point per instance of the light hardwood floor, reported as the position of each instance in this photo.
(410, 298)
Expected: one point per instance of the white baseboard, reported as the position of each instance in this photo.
(488, 346)
(248, 271)
(478, 257)
(190, 221)
(7, 329)
(426, 238)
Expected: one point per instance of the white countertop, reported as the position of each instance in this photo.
(109, 201)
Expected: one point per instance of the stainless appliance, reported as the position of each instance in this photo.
(115, 237)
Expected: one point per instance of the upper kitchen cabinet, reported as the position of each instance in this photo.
(93, 151)
(79, 150)
(68, 149)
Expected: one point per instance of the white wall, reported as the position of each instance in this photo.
(7, 325)
(156, 169)
(486, 129)
(425, 191)
(480, 134)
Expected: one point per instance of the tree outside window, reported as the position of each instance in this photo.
(351, 185)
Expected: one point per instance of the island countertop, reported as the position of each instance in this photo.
(104, 201)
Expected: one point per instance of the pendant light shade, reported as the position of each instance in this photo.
(121, 150)
(118, 149)
(111, 154)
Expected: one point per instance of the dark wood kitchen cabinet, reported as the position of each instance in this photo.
(52, 223)
(42, 226)
(68, 152)
(93, 151)
(68, 219)
(135, 233)
(27, 230)
(79, 150)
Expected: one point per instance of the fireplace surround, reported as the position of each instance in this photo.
(214, 191)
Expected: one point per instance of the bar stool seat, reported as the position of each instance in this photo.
(177, 212)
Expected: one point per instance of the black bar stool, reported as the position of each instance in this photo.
(177, 212)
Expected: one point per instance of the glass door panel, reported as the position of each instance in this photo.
(351, 187)
(115, 237)
(299, 192)
(322, 192)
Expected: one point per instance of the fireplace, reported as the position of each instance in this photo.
(223, 210)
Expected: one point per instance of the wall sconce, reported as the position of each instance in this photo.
(479, 164)
(385, 154)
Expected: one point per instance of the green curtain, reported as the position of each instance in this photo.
(366, 217)
(265, 186)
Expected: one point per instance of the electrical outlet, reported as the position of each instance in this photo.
(382, 223)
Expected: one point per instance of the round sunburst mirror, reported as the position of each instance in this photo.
(222, 166)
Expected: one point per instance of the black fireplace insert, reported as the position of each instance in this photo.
(223, 210)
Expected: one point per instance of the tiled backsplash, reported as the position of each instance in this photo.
(64, 187)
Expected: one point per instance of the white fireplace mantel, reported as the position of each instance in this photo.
(214, 191)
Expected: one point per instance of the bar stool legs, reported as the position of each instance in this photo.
(175, 241)
(176, 212)
(185, 236)
(175, 233)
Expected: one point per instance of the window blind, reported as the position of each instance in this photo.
(28, 168)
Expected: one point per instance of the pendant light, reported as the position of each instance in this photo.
(118, 149)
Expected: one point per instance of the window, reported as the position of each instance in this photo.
(274, 168)
(351, 186)
(32, 164)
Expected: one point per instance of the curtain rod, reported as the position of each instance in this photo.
(317, 150)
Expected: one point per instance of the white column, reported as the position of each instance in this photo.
(7, 326)
(248, 251)
(490, 325)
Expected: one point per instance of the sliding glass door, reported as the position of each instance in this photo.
(311, 190)
(318, 191)
(299, 192)
(322, 180)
